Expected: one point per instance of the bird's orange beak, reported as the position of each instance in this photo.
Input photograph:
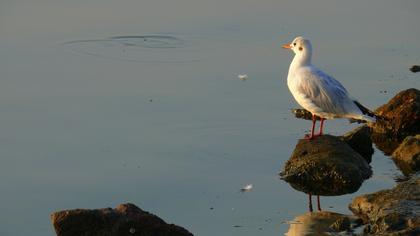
(287, 46)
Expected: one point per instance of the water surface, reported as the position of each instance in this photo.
(92, 115)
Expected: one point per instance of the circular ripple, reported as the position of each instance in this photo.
(140, 48)
(150, 41)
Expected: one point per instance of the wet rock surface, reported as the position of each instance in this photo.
(303, 114)
(407, 155)
(385, 143)
(391, 212)
(125, 220)
(322, 223)
(325, 166)
(401, 115)
(359, 140)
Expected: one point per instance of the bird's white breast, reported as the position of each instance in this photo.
(293, 82)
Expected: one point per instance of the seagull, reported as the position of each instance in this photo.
(319, 92)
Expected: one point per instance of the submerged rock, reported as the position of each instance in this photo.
(400, 116)
(325, 166)
(394, 211)
(407, 155)
(322, 223)
(125, 220)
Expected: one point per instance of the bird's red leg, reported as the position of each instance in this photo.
(312, 130)
(321, 127)
(318, 203)
(310, 203)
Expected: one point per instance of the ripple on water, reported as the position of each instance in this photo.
(138, 48)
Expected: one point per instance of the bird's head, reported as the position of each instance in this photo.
(299, 45)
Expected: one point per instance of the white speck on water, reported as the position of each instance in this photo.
(132, 230)
(243, 77)
(246, 188)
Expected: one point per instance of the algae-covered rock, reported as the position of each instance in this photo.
(303, 114)
(407, 155)
(393, 211)
(325, 166)
(125, 220)
(359, 140)
(400, 116)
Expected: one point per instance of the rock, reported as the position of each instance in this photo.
(341, 224)
(322, 223)
(125, 220)
(360, 141)
(303, 114)
(325, 166)
(407, 155)
(391, 212)
(401, 115)
(415, 68)
(385, 143)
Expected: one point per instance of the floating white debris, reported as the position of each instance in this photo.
(243, 77)
(246, 188)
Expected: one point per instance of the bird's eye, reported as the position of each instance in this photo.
(294, 44)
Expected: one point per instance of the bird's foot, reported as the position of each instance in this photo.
(312, 136)
(309, 136)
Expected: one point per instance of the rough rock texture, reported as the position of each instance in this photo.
(360, 141)
(325, 166)
(407, 155)
(391, 212)
(307, 115)
(322, 223)
(125, 220)
(385, 143)
(401, 115)
(303, 114)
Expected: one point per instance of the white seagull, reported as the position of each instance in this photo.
(318, 92)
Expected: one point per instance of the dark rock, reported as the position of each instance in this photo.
(341, 224)
(400, 116)
(303, 114)
(391, 212)
(385, 143)
(407, 155)
(325, 166)
(415, 68)
(360, 141)
(307, 115)
(125, 220)
(322, 223)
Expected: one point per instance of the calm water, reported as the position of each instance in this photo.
(91, 118)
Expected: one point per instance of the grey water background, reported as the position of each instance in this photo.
(91, 121)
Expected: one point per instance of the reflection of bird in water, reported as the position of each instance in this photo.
(317, 224)
(318, 92)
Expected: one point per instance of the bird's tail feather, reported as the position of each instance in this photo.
(368, 115)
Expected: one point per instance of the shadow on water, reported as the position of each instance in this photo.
(138, 48)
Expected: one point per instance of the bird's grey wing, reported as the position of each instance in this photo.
(324, 92)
